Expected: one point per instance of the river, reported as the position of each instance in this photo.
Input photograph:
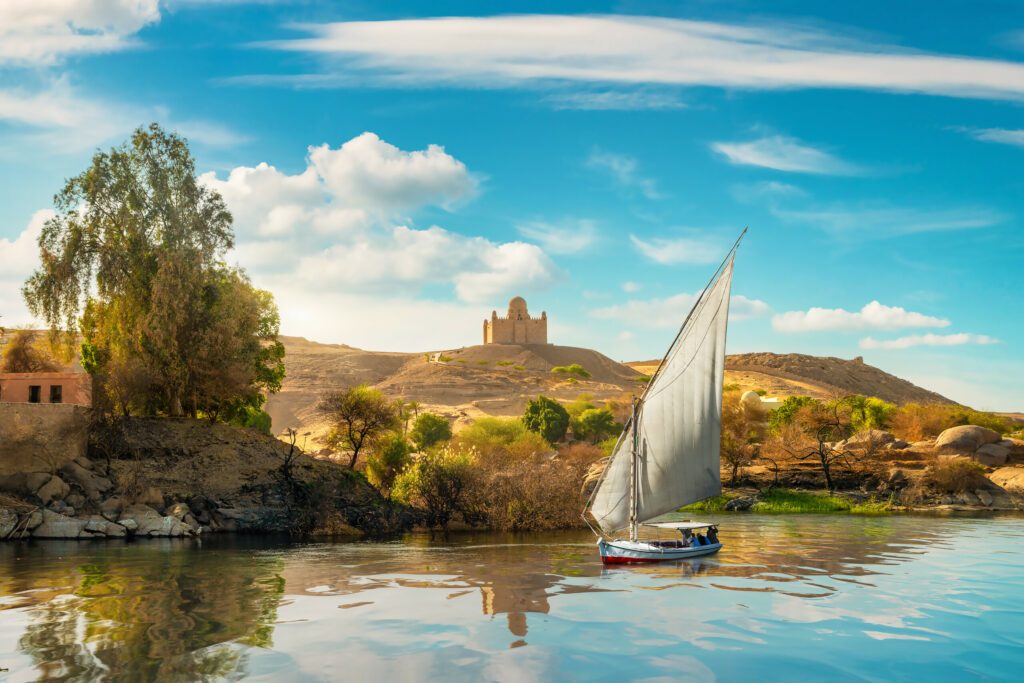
(797, 597)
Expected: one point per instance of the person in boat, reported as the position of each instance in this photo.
(687, 538)
(713, 534)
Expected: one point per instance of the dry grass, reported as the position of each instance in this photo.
(956, 475)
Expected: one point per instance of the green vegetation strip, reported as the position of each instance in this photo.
(789, 501)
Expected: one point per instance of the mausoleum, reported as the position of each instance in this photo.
(517, 327)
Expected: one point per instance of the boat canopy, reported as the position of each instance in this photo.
(685, 524)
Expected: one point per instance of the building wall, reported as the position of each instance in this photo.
(76, 387)
(40, 437)
(517, 327)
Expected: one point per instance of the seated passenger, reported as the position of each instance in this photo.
(713, 535)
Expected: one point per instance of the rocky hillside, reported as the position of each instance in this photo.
(793, 374)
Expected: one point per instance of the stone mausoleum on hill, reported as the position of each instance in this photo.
(517, 327)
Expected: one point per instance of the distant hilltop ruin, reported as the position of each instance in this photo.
(517, 327)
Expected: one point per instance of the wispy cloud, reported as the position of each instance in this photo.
(615, 100)
(927, 340)
(508, 51)
(675, 250)
(874, 315)
(1004, 136)
(784, 154)
(670, 312)
(567, 237)
(626, 171)
(860, 222)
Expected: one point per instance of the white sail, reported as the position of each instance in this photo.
(679, 422)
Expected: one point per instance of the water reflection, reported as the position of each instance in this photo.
(496, 606)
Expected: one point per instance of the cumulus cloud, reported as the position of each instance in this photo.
(783, 154)
(671, 311)
(18, 258)
(506, 51)
(676, 250)
(42, 32)
(873, 315)
(568, 237)
(625, 170)
(927, 340)
(337, 225)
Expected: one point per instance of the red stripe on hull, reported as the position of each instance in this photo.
(608, 559)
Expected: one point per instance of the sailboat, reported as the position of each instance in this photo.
(668, 453)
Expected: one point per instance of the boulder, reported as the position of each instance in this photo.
(8, 522)
(111, 507)
(1008, 478)
(34, 519)
(75, 500)
(98, 526)
(739, 504)
(149, 522)
(56, 525)
(870, 438)
(968, 498)
(93, 485)
(84, 462)
(128, 524)
(62, 508)
(899, 445)
(36, 480)
(965, 439)
(151, 497)
(984, 497)
(54, 489)
(925, 445)
(897, 478)
(992, 455)
(178, 510)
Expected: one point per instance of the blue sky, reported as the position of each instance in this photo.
(397, 171)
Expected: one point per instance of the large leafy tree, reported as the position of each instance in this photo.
(547, 418)
(358, 416)
(134, 259)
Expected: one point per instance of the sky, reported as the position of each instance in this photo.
(397, 171)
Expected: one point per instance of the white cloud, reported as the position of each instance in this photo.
(631, 287)
(615, 100)
(567, 237)
(518, 50)
(927, 340)
(368, 172)
(872, 316)
(672, 251)
(18, 258)
(1005, 136)
(671, 311)
(333, 226)
(864, 222)
(783, 154)
(35, 32)
(625, 171)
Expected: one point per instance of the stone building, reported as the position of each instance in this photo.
(46, 387)
(517, 327)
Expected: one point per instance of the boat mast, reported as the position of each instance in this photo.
(633, 478)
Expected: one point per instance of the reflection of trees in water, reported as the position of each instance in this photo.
(145, 611)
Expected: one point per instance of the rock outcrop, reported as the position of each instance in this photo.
(965, 439)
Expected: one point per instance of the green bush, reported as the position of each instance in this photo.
(643, 379)
(784, 414)
(429, 429)
(730, 387)
(438, 482)
(547, 418)
(594, 425)
(573, 369)
(518, 367)
(505, 362)
(387, 461)
(868, 412)
(488, 434)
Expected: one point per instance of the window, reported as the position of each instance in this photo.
(56, 393)
(34, 392)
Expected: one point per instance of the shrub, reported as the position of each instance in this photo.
(594, 425)
(429, 429)
(643, 379)
(489, 435)
(525, 494)
(730, 387)
(869, 412)
(573, 369)
(438, 483)
(786, 412)
(505, 362)
(582, 402)
(444, 359)
(387, 461)
(584, 454)
(760, 392)
(917, 421)
(483, 362)
(518, 367)
(547, 418)
(955, 475)
(27, 352)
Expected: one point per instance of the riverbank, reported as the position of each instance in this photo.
(146, 477)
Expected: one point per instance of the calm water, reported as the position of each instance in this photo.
(790, 598)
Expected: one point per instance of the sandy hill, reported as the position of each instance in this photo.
(791, 374)
(463, 384)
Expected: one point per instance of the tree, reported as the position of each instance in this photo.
(24, 353)
(429, 429)
(870, 412)
(390, 456)
(827, 424)
(739, 436)
(439, 482)
(358, 416)
(786, 412)
(594, 425)
(134, 258)
(547, 418)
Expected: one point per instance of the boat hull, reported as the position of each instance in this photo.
(631, 552)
